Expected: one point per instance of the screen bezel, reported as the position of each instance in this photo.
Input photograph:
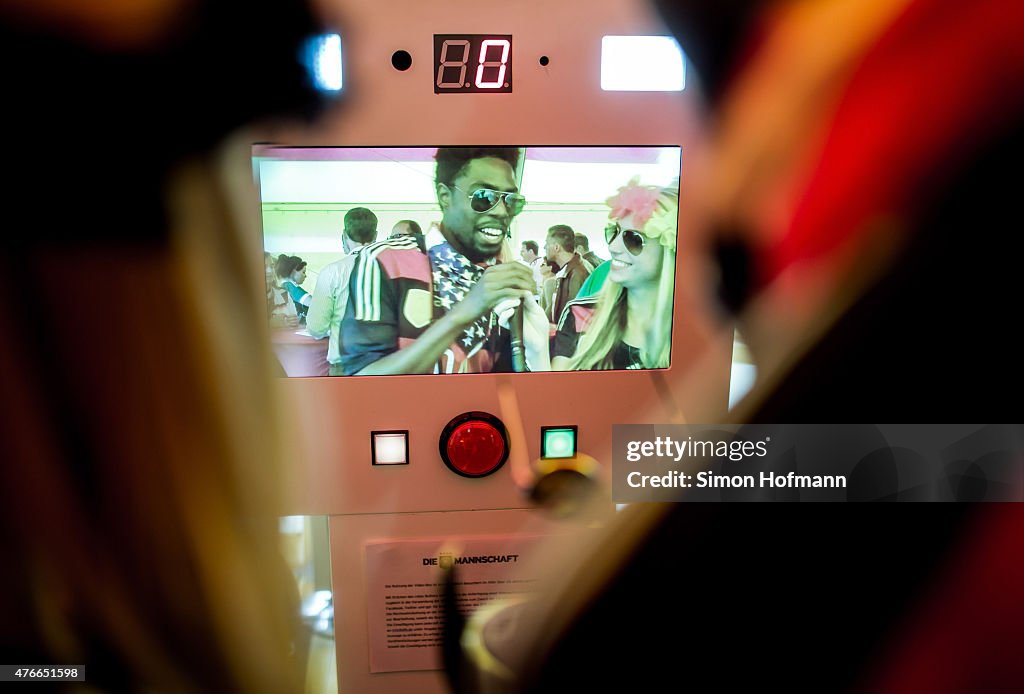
(324, 153)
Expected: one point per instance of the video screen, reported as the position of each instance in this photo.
(460, 260)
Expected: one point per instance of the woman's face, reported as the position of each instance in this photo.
(299, 276)
(630, 270)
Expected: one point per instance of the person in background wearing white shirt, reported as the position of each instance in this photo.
(529, 251)
(331, 293)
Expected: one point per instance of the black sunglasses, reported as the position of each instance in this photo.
(485, 200)
(633, 240)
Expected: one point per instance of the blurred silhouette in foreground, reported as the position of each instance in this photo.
(138, 485)
(860, 218)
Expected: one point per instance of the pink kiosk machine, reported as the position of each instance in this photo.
(416, 472)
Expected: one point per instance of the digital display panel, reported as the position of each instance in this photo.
(463, 260)
(472, 63)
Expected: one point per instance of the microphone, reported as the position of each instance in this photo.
(515, 327)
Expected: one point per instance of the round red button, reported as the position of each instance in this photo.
(474, 444)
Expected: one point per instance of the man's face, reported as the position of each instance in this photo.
(401, 229)
(477, 235)
(527, 254)
(551, 249)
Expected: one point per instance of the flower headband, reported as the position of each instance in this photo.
(655, 216)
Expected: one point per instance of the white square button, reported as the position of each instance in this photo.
(389, 447)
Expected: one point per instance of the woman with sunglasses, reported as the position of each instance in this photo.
(628, 324)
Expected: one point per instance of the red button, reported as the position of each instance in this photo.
(476, 448)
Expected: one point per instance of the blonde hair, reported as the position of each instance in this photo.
(596, 349)
(141, 484)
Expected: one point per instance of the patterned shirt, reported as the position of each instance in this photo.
(396, 292)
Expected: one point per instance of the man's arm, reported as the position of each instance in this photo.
(325, 294)
(575, 280)
(421, 356)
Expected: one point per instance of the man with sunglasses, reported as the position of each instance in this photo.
(561, 248)
(411, 313)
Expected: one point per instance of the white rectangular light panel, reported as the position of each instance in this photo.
(323, 60)
(642, 64)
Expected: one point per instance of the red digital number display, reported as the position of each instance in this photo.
(472, 63)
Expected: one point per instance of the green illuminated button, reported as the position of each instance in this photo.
(558, 442)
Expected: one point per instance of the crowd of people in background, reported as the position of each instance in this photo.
(597, 313)
(281, 308)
